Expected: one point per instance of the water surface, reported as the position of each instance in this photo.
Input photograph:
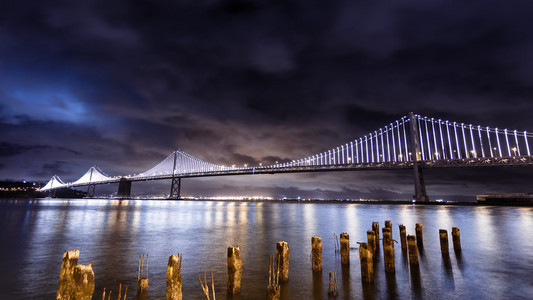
(496, 261)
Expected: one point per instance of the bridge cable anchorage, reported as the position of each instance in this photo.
(409, 142)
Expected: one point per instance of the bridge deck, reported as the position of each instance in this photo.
(430, 164)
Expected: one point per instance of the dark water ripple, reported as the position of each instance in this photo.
(496, 261)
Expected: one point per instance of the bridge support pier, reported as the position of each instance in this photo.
(91, 190)
(420, 187)
(175, 188)
(416, 156)
(124, 189)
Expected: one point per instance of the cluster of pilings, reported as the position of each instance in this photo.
(77, 281)
(409, 243)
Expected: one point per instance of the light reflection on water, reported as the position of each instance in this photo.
(495, 263)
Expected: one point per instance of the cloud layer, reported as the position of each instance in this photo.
(121, 85)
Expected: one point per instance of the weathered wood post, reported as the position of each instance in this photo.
(443, 236)
(234, 270)
(419, 236)
(337, 243)
(388, 224)
(119, 293)
(75, 281)
(142, 282)
(205, 286)
(83, 276)
(367, 263)
(456, 236)
(388, 249)
(316, 253)
(371, 240)
(413, 251)
(345, 248)
(332, 286)
(174, 280)
(403, 237)
(375, 228)
(70, 260)
(273, 288)
(282, 254)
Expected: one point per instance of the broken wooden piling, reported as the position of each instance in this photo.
(142, 282)
(375, 228)
(316, 253)
(419, 235)
(282, 254)
(413, 251)
(75, 281)
(119, 297)
(173, 277)
(205, 287)
(388, 249)
(403, 237)
(388, 224)
(371, 240)
(443, 237)
(456, 237)
(332, 287)
(273, 288)
(367, 263)
(345, 248)
(234, 270)
(65, 286)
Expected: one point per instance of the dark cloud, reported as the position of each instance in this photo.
(121, 85)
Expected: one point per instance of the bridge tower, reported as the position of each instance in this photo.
(420, 188)
(91, 188)
(175, 186)
(124, 188)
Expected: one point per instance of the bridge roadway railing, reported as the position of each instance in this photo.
(441, 163)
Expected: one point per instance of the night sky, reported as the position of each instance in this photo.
(121, 86)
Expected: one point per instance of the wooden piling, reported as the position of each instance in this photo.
(332, 286)
(142, 282)
(367, 264)
(205, 287)
(443, 236)
(83, 276)
(413, 251)
(388, 224)
(336, 241)
(371, 240)
(119, 293)
(282, 254)
(65, 286)
(345, 248)
(173, 277)
(456, 237)
(403, 237)
(419, 235)
(273, 288)
(388, 249)
(234, 270)
(316, 253)
(75, 281)
(375, 228)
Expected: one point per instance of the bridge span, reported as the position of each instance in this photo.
(412, 142)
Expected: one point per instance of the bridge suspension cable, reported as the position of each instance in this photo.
(180, 163)
(401, 143)
(438, 140)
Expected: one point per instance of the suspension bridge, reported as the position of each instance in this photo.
(412, 142)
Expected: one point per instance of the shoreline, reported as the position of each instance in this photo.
(320, 201)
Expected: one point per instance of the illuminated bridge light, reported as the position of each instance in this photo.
(436, 140)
